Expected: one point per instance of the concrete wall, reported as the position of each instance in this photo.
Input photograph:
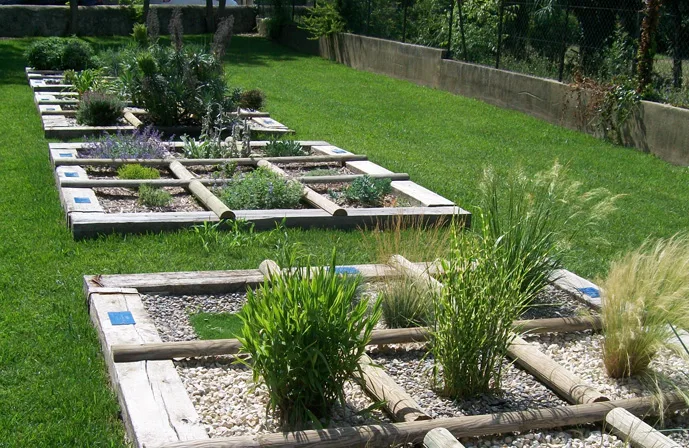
(656, 128)
(22, 20)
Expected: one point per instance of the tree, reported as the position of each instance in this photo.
(647, 43)
(73, 20)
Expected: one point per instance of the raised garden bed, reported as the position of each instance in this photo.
(202, 397)
(56, 102)
(104, 204)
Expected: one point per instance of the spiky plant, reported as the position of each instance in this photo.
(645, 292)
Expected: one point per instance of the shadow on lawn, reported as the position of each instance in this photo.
(12, 61)
(258, 51)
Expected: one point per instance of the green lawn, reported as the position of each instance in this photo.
(53, 385)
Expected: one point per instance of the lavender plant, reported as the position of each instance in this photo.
(142, 144)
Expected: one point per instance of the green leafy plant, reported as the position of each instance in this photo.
(253, 99)
(368, 190)
(87, 80)
(645, 292)
(531, 220)
(140, 34)
(136, 171)
(481, 297)
(283, 148)
(323, 20)
(305, 333)
(154, 197)
(261, 189)
(99, 109)
(57, 53)
(406, 303)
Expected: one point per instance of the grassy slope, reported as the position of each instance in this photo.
(52, 382)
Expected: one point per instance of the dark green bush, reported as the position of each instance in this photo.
(99, 109)
(154, 197)
(283, 148)
(368, 190)
(261, 189)
(57, 53)
(305, 332)
(176, 87)
(252, 99)
(136, 171)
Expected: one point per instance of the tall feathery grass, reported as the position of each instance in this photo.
(482, 296)
(305, 333)
(535, 218)
(406, 303)
(645, 294)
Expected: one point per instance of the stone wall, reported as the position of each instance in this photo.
(656, 128)
(22, 20)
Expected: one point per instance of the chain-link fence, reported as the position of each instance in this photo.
(558, 39)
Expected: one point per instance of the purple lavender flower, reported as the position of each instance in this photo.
(141, 144)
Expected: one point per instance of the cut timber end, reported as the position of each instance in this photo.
(632, 429)
(440, 438)
(269, 268)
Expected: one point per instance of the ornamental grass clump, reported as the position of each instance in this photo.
(481, 297)
(305, 332)
(406, 303)
(141, 144)
(99, 109)
(645, 293)
(534, 219)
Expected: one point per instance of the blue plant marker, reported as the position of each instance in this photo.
(71, 174)
(594, 293)
(81, 200)
(66, 154)
(339, 151)
(50, 108)
(346, 270)
(121, 318)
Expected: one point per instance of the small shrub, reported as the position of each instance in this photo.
(480, 300)
(322, 172)
(136, 171)
(86, 80)
(140, 34)
(204, 148)
(406, 303)
(77, 54)
(283, 148)
(368, 190)
(55, 53)
(141, 144)
(644, 293)
(99, 109)
(252, 99)
(305, 334)
(154, 197)
(261, 189)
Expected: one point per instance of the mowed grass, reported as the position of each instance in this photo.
(53, 384)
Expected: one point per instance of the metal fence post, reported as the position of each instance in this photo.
(563, 49)
(500, 16)
(449, 32)
(461, 30)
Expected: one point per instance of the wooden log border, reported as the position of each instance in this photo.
(158, 412)
(86, 222)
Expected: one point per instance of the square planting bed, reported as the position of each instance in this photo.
(176, 390)
(96, 202)
(56, 103)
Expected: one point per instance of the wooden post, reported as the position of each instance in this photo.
(132, 119)
(269, 268)
(190, 349)
(632, 429)
(408, 268)
(381, 387)
(440, 438)
(465, 426)
(552, 374)
(202, 193)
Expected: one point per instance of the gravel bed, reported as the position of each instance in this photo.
(171, 313)
(231, 404)
(125, 200)
(302, 169)
(554, 302)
